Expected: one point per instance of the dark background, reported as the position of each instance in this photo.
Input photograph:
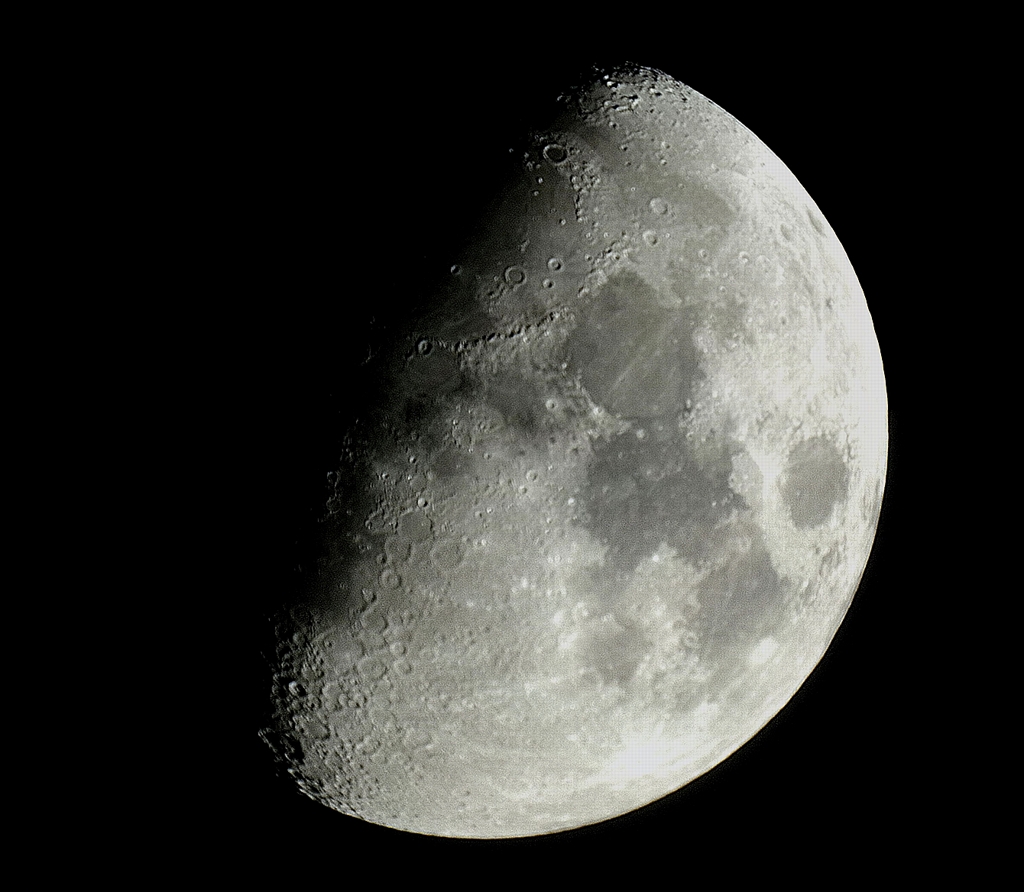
(332, 173)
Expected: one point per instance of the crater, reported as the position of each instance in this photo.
(815, 480)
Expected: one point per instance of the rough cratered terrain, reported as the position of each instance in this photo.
(615, 495)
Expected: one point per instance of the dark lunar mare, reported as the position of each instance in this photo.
(654, 484)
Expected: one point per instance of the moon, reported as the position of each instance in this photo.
(610, 493)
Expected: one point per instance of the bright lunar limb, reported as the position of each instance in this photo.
(615, 494)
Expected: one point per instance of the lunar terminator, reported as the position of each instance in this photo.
(616, 496)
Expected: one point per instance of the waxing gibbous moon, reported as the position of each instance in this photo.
(613, 493)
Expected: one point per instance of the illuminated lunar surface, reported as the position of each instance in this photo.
(614, 498)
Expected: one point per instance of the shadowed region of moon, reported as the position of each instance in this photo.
(608, 495)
